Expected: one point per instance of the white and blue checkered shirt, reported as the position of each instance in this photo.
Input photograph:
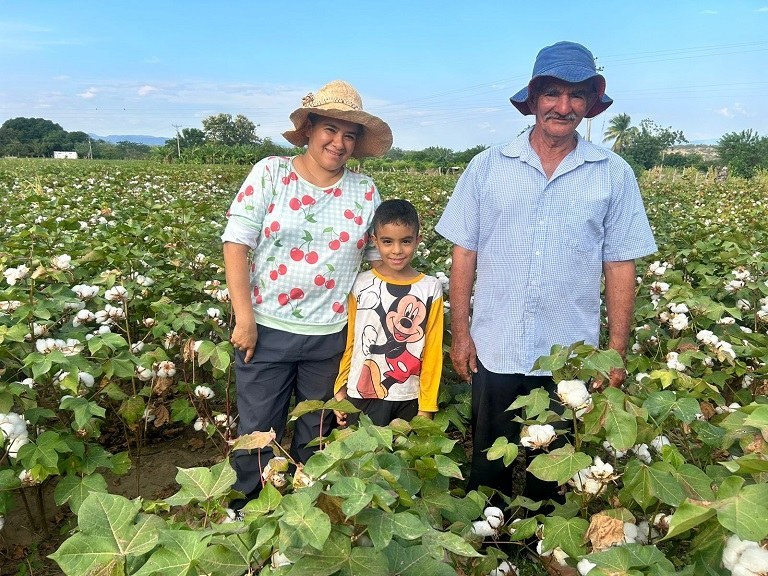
(541, 244)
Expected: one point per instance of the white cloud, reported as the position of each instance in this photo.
(152, 60)
(88, 94)
(763, 9)
(725, 112)
(146, 90)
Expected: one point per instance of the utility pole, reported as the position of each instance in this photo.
(178, 143)
(90, 150)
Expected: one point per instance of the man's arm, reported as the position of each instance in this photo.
(463, 353)
(620, 305)
(244, 334)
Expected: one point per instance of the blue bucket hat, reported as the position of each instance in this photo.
(569, 62)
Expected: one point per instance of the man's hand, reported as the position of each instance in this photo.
(616, 378)
(464, 356)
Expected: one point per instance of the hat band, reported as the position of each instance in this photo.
(309, 101)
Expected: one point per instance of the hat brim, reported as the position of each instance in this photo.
(375, 139)
(520, 99)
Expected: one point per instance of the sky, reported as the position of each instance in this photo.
(439, 72)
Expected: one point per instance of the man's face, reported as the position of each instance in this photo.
(559, 106)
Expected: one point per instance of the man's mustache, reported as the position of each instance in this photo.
(554, 116)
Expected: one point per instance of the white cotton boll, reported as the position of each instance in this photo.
(83, 317)
(137, 347)
(574, 393)
(8, 306)
(149, 322)
(630, 532)
(741, 273)
(13, 275)
(86, 379)
(494, 516)
(538, 436)
(482, 528)
(659, 442)
(116, 294)
(504, 569)
(727, 320)
(734, 286)
(62, 262)
(645, 532)
(673, 363)
(224, 421)
(213, 313)
(584, 482)
(279, 559)
(166, 369)
(204, 392)
(677, 308)
(642, 452)
(28, 382)
(601, 470)
(707, 337)
(200, 424)
(144, 374)
(584, 566)
(755, 559)
(613, 451)
(734, 548)
(743, 305)
(2, 522)
(679, 322)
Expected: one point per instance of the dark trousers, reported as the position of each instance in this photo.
(283, 365)
(382, 412)
(492, 394)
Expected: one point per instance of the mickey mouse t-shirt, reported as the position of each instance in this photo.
(395, 340)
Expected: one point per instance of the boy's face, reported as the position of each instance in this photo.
(397, 244)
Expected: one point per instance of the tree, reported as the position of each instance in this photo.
(647, 146)
(743, 152)
(621, 131)
(224, 130)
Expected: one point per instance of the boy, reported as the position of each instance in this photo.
(394, 356)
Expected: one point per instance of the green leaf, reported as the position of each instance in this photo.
(380, 526)
(687, 516)
(502, 448)
(326, 561)
(202, 484)
(449, 541)
(565, 534)
(178, 554)
(302, 524)
(638, 485)
(448, 467)
(408, 526)
(365, 562)
(268, 500)
(353, 491)
(664, 485)
(74, 489)
(696, 484)
(414, 561)
(559, 465)
(535, 403)
(620, 426)
(758, 418)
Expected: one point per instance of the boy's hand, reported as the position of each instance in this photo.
(425, 414)
(341, 418)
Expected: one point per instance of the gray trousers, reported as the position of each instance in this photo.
(284, 365)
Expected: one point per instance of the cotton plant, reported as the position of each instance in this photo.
(14, 433)
(744, 557)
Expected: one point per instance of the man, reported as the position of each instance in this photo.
(539, 221)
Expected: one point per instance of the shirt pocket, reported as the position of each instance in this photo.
(582, 226)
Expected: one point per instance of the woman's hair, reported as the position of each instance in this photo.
(396, 211)
(314, 118)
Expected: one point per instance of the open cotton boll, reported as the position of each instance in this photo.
(573, 393)
(755, 559)
(483, 528)
(538, 436)
(584, 566)
(494, 516)
(504, 569)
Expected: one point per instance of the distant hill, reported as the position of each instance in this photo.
(137, 139)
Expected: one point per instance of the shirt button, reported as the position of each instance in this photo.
(538, 253)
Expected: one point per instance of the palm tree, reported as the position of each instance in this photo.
(621, 131)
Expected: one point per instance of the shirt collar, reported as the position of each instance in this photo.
(585, 151)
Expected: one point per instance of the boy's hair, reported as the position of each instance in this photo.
(396, 211)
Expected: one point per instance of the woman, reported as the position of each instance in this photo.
(304, 221)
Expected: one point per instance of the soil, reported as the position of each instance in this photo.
(24, 548)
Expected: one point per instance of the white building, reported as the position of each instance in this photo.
(65, 155)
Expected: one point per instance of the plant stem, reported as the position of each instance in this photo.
(28, 510)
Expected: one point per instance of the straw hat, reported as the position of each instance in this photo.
(338, 99)
(569, 62)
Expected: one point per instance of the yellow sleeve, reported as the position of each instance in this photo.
(346, 358)
(432, 361)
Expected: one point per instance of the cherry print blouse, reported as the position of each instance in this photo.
(307, 242)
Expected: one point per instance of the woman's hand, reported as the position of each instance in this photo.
(244, 338)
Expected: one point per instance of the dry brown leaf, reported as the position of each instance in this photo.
(253, 441)
(161, 385)
(161, 415)
(707, 410)
(604, 532)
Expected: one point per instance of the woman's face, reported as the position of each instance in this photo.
(331, 142)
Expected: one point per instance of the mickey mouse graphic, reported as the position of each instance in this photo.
(404, 322)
